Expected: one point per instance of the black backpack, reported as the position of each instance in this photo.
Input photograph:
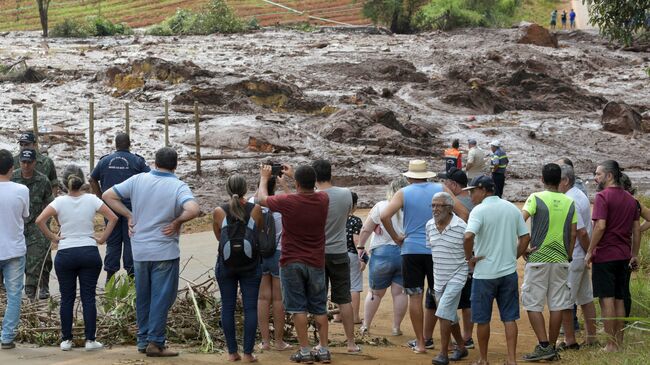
(238, 244)
(267, 242)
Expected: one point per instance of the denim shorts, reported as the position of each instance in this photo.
(447, 302)
(271, 265)
(303, 289)
(504, 289)
(385, 267)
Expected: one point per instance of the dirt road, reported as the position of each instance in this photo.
(582, 15)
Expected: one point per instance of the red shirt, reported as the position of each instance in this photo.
(619, 209)
(303, 227)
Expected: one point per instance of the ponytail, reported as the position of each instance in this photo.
(236, 189)
(74, 183)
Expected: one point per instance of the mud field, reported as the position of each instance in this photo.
(366, 100)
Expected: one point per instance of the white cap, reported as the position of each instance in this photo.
(495, 143)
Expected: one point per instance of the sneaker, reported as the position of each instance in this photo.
(299, 357)
(66, 345)
(93, 345)
(323, 356)
(457, 354)
(428, 343)
(8, 345)
(469, 344)
(154, 350)
(562, 346)
(541, 353)
(440, 360)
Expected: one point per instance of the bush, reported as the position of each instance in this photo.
(216, 17)
(93, 26)
(449, 14)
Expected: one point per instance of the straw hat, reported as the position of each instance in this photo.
(418, 170)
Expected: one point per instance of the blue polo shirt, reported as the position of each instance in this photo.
(157, 198)
(117, 167)
(497, 225)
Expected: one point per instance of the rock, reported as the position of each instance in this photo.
(531, 33)
(621, 118)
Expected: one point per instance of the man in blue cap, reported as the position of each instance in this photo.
(44, 164)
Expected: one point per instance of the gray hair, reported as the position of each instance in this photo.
(443, 195)
(568, 173)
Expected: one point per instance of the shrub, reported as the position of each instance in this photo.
(70, 28)
(448, 14)
(93, 26)
(216, 17)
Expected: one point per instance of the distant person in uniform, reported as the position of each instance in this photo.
(113, 169)
(38, 262)
(44, 164)
(572, 19)
(453, 157)
(499, 163)
(475, 160)
(553, 19)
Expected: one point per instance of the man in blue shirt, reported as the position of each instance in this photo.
(498, 162)
(113, 169)
(161, 204)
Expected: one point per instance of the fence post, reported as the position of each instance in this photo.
(35, 120)
(166, 123)
(128, 120)
(197, 136)
(91, 135)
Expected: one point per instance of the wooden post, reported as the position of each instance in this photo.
(197, 136)
(35, 119)
(166, 123)
(128, 121)
(91, 135)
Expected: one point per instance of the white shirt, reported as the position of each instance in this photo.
(583, 208)
(380, 237)
(448, 253)
(76, 216)
(15, 209)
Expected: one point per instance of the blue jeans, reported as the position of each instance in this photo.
(115, 248)
(304, 289)
(506, 292)
(86, 264)
(249, 283)
(156, 285)
(13, 271)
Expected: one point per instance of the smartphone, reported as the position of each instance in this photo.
(276, 169)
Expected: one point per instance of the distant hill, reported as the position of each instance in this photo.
(23, 14)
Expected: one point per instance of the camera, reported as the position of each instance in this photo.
(276, 169)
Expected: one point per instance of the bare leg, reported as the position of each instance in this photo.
(567, 323)
(608, 310)
(263, 304)
(278, 315)
(554, 323)
(511, 341)
(356, 303)
(371, 305)
(589, 312)
(300, 324)
(416, 314)
(468, 325)
(445, 334)
(348, 324)
(483, 334)
(430, 320)
(620, 324)
(322, 330)
(400, 303)
(455, 332)
(539, 327)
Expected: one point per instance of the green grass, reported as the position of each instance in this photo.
(539, 11)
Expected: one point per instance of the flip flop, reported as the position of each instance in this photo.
(419, 351)
(357, 350)
(285, 347)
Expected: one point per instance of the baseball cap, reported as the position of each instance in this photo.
(454, 174)
(495, 143)
(471, 141)
(27, 155)
(482, 181)
(27, 137)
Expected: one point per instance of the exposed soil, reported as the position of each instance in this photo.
(368, 101)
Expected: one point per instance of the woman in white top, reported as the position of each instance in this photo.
(385, 267)
(77, 255)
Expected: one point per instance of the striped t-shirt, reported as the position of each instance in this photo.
(447, 252)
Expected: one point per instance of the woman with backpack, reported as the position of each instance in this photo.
(236, 226)
(270, 295)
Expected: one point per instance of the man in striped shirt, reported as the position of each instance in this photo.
(445, 234)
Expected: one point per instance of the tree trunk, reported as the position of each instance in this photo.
(43, 6)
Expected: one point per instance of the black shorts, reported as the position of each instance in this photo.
(415, 268)
(465, 302)
(337, 275)
(611, 279)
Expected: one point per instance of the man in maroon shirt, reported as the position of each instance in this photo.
(302, 257)
(611, 250)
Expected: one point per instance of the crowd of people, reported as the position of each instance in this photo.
(571, 16)
(291, 248)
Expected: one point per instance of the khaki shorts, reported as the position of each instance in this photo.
(546, 282)
(580, 283)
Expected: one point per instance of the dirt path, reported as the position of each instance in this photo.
(582, 15)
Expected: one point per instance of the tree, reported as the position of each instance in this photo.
(43, 7)
(620, 20)
(396, 14)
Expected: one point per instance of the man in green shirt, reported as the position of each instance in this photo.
(553, 235)
(44, 164)
(38, 256)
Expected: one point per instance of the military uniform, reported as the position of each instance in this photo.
(44, 165)
(38, 247)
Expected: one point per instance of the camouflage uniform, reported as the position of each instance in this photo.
(38, 247)
(44, 165)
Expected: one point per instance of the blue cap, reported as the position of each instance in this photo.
(27, 155)
(482, 181)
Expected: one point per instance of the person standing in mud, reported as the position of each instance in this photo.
(572, 19)
(113, 169)
(475, 160)
(161, 204)
(38, 261)
(553, 19)
(44, 164)
(453, 157)
(563, 19)
(499, 163)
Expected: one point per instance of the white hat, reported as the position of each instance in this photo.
(495, 143)
(418, 170)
